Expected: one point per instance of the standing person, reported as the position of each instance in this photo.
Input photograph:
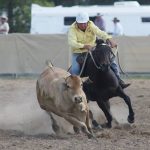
(81, 38)
(4, 26)
(99, 22)
(118, 29)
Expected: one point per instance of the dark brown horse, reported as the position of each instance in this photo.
(104, 83)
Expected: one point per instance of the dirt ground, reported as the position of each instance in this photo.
(24, 126)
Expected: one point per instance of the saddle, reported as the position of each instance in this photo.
(80, 59)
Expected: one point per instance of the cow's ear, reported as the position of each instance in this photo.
(65, 87)
(67, 81)
(84, 79)
(87, 80)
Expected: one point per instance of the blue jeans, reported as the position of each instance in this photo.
(75, 69)
(114, 67)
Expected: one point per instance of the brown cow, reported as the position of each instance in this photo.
(61, 93)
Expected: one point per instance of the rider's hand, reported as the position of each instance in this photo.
(88, 47)
(111, 43)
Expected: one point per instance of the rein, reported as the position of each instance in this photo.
(84, 63)
(118, 60)
(100, 67)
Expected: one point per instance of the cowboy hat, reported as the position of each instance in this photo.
(4, 17)
(115, 19)
(99, 14)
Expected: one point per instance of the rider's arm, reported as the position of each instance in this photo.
(103, 35)
(99, 33)
(111, 43)
(72, 39)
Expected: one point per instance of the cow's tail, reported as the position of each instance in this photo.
(49, 63)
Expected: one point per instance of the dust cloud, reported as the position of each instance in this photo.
(19, 109)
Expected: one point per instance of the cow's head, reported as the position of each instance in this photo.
(74, 90)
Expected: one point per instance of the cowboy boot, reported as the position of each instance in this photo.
(122, 83)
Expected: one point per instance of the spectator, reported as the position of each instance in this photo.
(118, 29)
(4, 26)
(99, 22)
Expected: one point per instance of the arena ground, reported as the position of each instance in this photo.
(24, 126)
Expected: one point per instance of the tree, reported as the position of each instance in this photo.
(19, 13)
(94, 2)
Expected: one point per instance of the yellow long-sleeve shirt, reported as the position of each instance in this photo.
(77, 38)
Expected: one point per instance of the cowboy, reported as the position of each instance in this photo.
(81, 38)
(4, 26)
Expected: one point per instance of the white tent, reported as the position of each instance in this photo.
(51, 20)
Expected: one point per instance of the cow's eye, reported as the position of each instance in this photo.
(68, 86)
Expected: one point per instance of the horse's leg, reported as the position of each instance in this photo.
(95, 124)
(107, 104)
(127, 100)
(104, 106)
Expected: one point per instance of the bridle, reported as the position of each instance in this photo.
(102, 66)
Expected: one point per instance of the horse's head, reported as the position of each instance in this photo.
(102, 53)
(99, 58)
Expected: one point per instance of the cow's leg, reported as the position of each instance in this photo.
(75, 122)
(88, 122)
(127, 100)
(104, 106)
(54, 124)
(78, 124)
(76, 130)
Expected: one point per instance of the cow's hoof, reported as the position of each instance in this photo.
(91, 136)
(76, 130)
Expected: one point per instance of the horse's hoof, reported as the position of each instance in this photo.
(98, 127)
(131, 119)
(106, 125)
